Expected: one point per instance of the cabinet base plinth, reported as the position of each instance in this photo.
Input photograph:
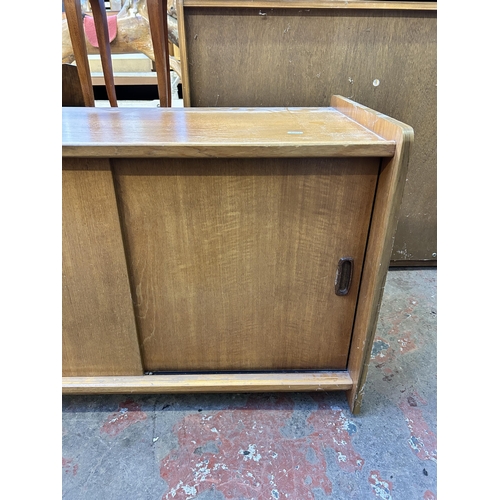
(233, 382)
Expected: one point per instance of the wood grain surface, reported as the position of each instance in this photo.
(98, 329)
(233, 262)
(216, 132)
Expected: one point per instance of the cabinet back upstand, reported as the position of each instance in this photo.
(226, 249)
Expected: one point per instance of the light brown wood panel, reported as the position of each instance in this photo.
(264, 55)
(233, 262)
(99, 336)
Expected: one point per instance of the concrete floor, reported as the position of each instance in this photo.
(274, 446)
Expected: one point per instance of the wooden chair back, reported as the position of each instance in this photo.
(157, 12)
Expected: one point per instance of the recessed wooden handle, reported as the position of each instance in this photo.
(344, 276)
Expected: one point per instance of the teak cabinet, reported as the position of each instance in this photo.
(226, 249)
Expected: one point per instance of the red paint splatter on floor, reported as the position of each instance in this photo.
(380, 487)
(428, 495)
(129, 413)
(422, 440)
(340, 429)
(69, 467)
(245, 453)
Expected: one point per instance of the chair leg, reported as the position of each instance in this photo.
(102, 32)
(73, 11)
(159, 35)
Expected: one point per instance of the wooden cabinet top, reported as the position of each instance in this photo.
(217, 132)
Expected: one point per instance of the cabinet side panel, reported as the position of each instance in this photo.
(381, 238)
(99, 333)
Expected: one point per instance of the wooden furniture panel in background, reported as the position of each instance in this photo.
(99, 333)
(380, 54)
(233, 262)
